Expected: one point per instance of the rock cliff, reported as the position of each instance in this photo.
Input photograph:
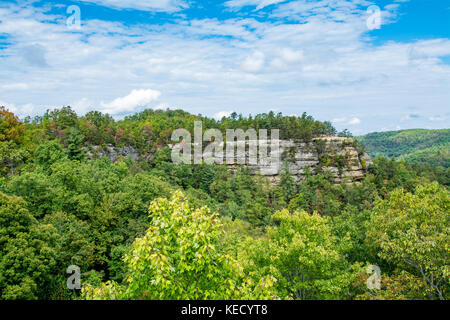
(109, 151)
(338, 155)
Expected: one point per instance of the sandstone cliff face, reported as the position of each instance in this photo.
(338, 155)
(94, 152)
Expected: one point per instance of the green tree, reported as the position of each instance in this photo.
(27, 252)
(304, 257)
(411, 231)
(11, 157)
(287, 184)
(48, 153)
(178, 258)
(75, 145)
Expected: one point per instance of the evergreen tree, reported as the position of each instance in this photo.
(75, 143)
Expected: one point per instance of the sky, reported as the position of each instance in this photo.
(364, 65)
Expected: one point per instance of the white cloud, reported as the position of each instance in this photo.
(221, 114)
(15, 86)
(145, 5)
(321, 62)
(339, 120)
(289, 55)
(346, 121)
(21, 111)
(354, 121)
(82, 106)
(254, 63)
(260, 4)
(131, 103)
(437, 118)
(286, 57)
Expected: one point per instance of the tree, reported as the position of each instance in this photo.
(287, 184)
(14, 217)
(178, 258)
(98, 119)
(11, 156)
(11, 128)
(62, 118)
(344, 133)
(304, 257)
(411, 231)
(48, 153)
(400, 285)
(11, 138)
(36, 189)
(27, 252)
(353, 222)
(75, 144)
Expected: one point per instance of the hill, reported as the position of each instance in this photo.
(420, 146)
(134, 224)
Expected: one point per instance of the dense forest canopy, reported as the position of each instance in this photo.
(427, 151)
(416, 145)
(150, 229)
(152, 128)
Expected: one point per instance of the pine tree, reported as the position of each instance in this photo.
(75, 145)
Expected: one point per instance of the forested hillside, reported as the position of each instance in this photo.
(152, 229)
(417, 145)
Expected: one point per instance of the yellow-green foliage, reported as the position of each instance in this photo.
(303, 255)
(178, 259)
(411, 231)
(58, 208)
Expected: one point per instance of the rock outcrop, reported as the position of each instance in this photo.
(109, 151)
(337, 155)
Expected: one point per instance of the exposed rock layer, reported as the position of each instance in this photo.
(112, 153)
(338, 155)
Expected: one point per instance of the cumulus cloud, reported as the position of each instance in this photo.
(145, 5)
(254, 63)
(260, 4)
(221, 114)
(354, 121)
(82, 106)
(289, 55)
(20, 110)
(286, 57)
(321, 62)
(130, 103)
(346, 121)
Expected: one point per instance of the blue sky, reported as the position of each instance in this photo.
(248, 56)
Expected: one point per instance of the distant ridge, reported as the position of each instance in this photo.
(416, 145)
